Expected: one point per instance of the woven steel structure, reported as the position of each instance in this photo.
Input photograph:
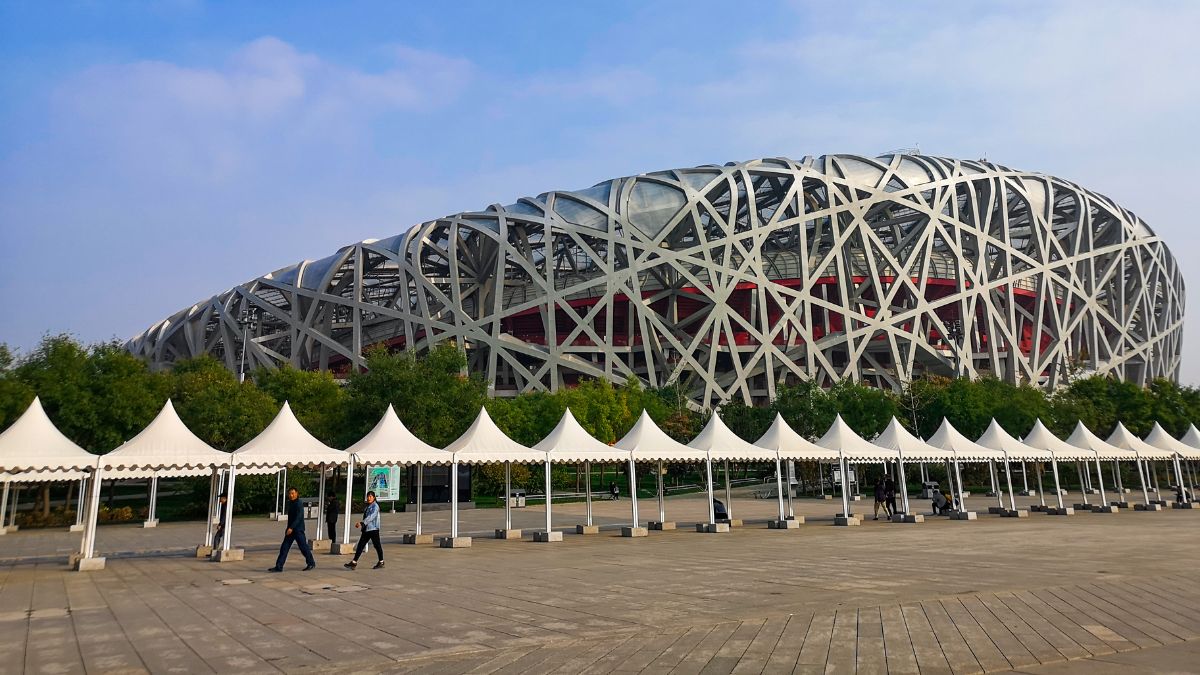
(730, 280)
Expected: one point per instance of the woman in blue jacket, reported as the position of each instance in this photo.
(369, 525)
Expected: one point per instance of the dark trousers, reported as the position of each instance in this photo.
(371, 536)
(331, 529)
(301, 540)
(891, 505)
(218, 536)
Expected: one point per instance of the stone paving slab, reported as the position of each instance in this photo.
(941, 597)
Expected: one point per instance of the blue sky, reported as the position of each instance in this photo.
(153, 154)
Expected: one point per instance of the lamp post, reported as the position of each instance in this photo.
(954, 331)
(249, 321)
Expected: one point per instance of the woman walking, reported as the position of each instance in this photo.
(370, 532)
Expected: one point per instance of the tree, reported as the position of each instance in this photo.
(15, 395)
(216, 407)
(316, 398)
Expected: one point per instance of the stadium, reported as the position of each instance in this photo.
(730, 280)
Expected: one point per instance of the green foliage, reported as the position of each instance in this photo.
(970, 405)
(315, 397)
(216, 407)
(431, 394)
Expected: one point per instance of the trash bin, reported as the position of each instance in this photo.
(516, 499)
(311, 509)
(928, 488)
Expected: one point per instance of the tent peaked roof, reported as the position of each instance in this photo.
(285, 442)
(390, 442)
(896, 437)
(33, 443)
(1084, 438)
(719, 441)
(1160, 439)
(484, 443)
(165, 444)
(1041, 438)
(649, 443)
(784, 440)
(1124, 438)
(570, 442)
(841, 437)
(1192, 439)
(999, 440)
(949, 438)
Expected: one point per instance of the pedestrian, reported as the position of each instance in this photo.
(369, 525)
(222, 500)
(889, 496)
(295, 533)
(880, 502)
(614, 491)
(333, 509)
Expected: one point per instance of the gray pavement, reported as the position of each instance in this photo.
(1040, 595)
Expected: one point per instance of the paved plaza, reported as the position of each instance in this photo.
(1091, 593)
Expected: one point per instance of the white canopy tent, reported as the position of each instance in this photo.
(285, 443)
(1159, 438)
(1042, 438)
(1191, 439)
(166, 448)
(390, 443)
(720, 443)
(484, 443)
(33, 450)
(965, 450)
(1084, 438)
(788, 445)
(1122, 437)
(908, 447)
(648, 443)
(570, 443)
(997, 438)
(851, 447)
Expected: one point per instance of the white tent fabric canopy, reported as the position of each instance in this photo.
(1084, 438)
(285, 442)
(965, 449)
(721, 443)
(166, 447)
(1122, 437)
(1192, 440)
(649, 443)
(570, 442)
(484, 443)
(912, 449)
(1039, 444)
(1159, 438)
(840, 437)
(781, 438)
(390, 443)
(34, 447)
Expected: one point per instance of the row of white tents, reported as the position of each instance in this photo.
(34, 450)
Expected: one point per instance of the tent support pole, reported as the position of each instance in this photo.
(962, 499)
(453, 500)
(712, 514)
(1041, 472)
(349, 497)
(420, 493)
(208, 513)
(844, 467)
(1154, 470)
(1083, 489)
(321, 504)
(1024, 478)
(779, 484)
(728, 494)
(633, 493)
(89, 550)
(151, 514)
(1117, 479)
(1142, 480)
(79, 500)
(1183, 497)
(4, 507)
(1057, 487)
(1100, 482)
(996, 484)
(1012, 502)
(549, 498)
(902, 484)
(791, 465)
(662, 507)
(508, 495)
(231, 478)
(587, 489)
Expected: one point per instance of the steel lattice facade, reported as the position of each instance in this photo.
(730, 280)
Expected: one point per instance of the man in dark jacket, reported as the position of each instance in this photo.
(889, 495)
(295, 533)
(333, 508)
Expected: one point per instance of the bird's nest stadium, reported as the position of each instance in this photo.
(730, 280)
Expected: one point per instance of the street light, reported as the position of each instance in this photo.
(249, 321)
(954, 331)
